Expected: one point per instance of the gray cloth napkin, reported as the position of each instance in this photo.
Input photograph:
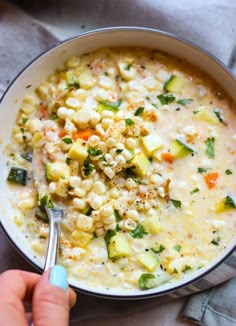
(22, 38)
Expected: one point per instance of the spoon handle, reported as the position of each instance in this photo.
(55, 216)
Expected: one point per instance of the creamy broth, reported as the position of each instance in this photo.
(139, 148)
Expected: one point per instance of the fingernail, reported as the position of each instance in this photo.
(58, 277)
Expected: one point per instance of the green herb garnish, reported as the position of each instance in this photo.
(216, 241)
(228, 172)
(75, 85)
(229, 202)
(53, 116)
(177, 247)
(129, 122)
(139, 111)
(155, 105)
(210, 143)
(24, 120)
(118, 151)
(166, 99)
(88, 211)
(176, 203)
(218, 115)
(128, 66)
(186, 268)
(138, 232)
(117, 215)
(111, 106)
(202, 170)
(146, 281)
(67, 140)
(68, 160)
(194, 191)
(184, 101)
(88, 168)
(158, 251)
(94, 152)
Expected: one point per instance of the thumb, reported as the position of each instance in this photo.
(52, 298)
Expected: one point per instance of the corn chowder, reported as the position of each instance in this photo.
(139, 148)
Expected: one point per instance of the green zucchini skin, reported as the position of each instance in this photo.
(18, 175)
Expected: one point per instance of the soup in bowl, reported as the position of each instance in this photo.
(137, 144)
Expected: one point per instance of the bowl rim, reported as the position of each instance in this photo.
(140, 295)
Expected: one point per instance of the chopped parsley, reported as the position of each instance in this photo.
(107, 164)
(229, 202)
(45, 201)
(186, 268)
(129, 122)
(117, 215)
(118, 228)
(184, 101)
(166, 99)
(202, 170)
(177, 247)
(94, 152)
(216, 241)
(88, 211)
(210, 143)
(111, 106)
(110, 233)
(194, 191)
(53, 116)
(146, 281)
(75, 85)
(159, 250)
(24, 120)
(176, 203)
(128, 66)
(155, 105)
(68, 160)
(138, 232)
(139, 111)
(118, 151)
(88, 168)
(67, 140)
(218, 115)
(195, 111)
(228, 172)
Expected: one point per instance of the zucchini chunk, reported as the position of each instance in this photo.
(173, 84)
(148, 260)
(118, 246)
(151, 143)
(179, 149)
(17, 175)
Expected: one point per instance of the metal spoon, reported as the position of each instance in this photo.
(55, 215)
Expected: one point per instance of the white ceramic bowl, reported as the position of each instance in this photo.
(45, 64)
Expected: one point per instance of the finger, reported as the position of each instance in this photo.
(52, 298)
(15, 286)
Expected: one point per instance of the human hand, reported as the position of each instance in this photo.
(50, 296)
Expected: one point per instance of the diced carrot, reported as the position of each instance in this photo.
(82, 134)
(43, 112)
(62, 133)
(211, 179)
(168, 157)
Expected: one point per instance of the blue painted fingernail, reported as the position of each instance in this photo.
(58, 277)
